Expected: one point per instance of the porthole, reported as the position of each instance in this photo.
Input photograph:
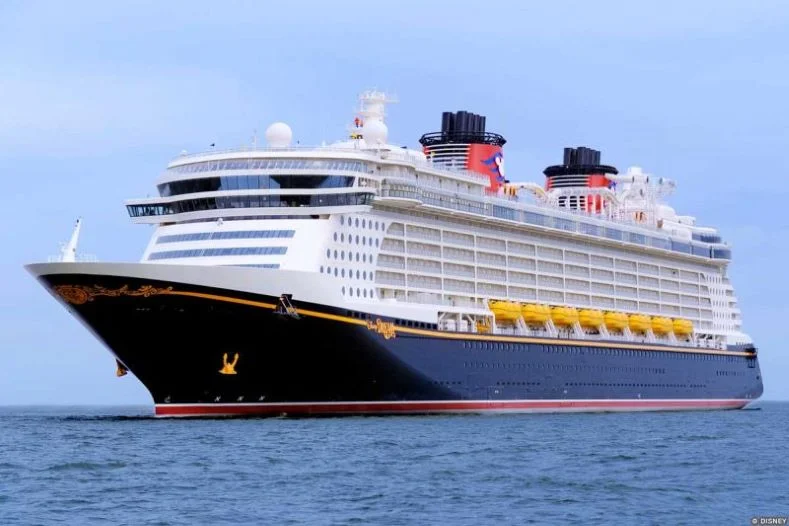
(376, 225)
(343, 291)
(365, 293)
(335, 237)
(328, 253)
(376, 242)
(371, 293)
(342, 255)
(335, 254)
(364, 274)
(357, 239)
(342, 220)
(321, 269)
(342, 273)
(364, 241)
(371, 276)
(351, 290)
(357, 256)
(357, 274)
(357, 222)
(364, 223)
(364, 258)
(358, 292)
(335, 272)
(342, 238)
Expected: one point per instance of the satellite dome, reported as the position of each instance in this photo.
(278, 135)
(375, 133)
(666, 212)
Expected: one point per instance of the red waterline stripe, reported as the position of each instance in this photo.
(438, 407)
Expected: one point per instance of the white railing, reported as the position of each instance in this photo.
(80, 258)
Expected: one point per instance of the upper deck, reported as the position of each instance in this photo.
(271, 181)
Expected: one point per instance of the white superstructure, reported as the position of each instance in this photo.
(394, 229)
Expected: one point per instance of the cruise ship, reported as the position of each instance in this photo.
(368, 277)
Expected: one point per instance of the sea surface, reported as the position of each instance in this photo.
(117, 465)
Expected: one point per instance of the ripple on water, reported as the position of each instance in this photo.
(87, 466)
(126, 468)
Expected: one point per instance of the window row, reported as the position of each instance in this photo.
(707, 238)
(249, 201)
(341, 256)
(340, 273)
(260, 265)
(271, 164)
(253, 182)
(364, 223)
(209, 252)
(567, 349)
(364, 239)
(549, 221)
(359, 292)
(237, 234)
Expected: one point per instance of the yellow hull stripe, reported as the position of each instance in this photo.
(80, 294)
(226, 299)
(467, 336)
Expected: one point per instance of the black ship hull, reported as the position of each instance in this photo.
(204, 351)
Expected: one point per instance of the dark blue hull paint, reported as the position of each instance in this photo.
(174, 344)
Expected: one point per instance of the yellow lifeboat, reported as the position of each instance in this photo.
(591, 318)
(682, 327)
(615, 321)
(535, 314)
(505, 310)
(564, 316)
(661, 325)
(639, 322)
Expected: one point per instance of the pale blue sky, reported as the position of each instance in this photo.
(96, 98)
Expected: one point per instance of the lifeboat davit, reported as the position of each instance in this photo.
(505, 310)
(591, 318)
(615, 321)
(662, 325)
(639, 322)
(535, 314)
(564, 316)
(682, 327)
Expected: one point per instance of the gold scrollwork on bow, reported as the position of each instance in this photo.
(384, 328)
(80, 294)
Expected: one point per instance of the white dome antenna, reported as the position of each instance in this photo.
(369, 122)
(279, 135)
(375, 133)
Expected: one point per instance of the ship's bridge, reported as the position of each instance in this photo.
(258, 182)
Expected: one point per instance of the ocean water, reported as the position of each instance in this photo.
(116, 465)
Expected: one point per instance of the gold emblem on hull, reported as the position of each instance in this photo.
(81, 294)
(228, 368)
(384, 328)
